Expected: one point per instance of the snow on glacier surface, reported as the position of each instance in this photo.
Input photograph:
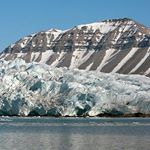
(38, 89)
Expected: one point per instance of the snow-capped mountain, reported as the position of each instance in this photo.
(117, 45)
(38, 89)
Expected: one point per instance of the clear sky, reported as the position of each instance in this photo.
(22, 17)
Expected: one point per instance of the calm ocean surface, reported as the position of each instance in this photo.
(74, 133)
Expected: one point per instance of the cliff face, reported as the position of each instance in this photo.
(37, 89)
(117, 45)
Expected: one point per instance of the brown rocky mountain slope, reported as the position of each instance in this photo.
(116, 45)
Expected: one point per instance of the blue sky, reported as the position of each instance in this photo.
(22, 17)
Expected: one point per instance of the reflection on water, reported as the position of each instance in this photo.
(74, 134)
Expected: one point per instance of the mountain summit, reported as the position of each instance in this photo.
(115, 45)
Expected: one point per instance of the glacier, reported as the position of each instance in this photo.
(36, 89)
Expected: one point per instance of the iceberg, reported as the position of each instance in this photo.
(34, 89)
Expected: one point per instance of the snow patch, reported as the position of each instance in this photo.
(125, 59)
(108, 53)
(46, 55)
(141, 61)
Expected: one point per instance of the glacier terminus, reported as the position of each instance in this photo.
(29, 89)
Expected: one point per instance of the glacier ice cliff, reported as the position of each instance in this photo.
(28, 89)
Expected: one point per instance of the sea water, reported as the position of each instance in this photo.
(42, 133)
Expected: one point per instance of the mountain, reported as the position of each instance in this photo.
(115, 45)
(28, 89)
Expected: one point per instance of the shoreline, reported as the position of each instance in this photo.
(98, 116)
